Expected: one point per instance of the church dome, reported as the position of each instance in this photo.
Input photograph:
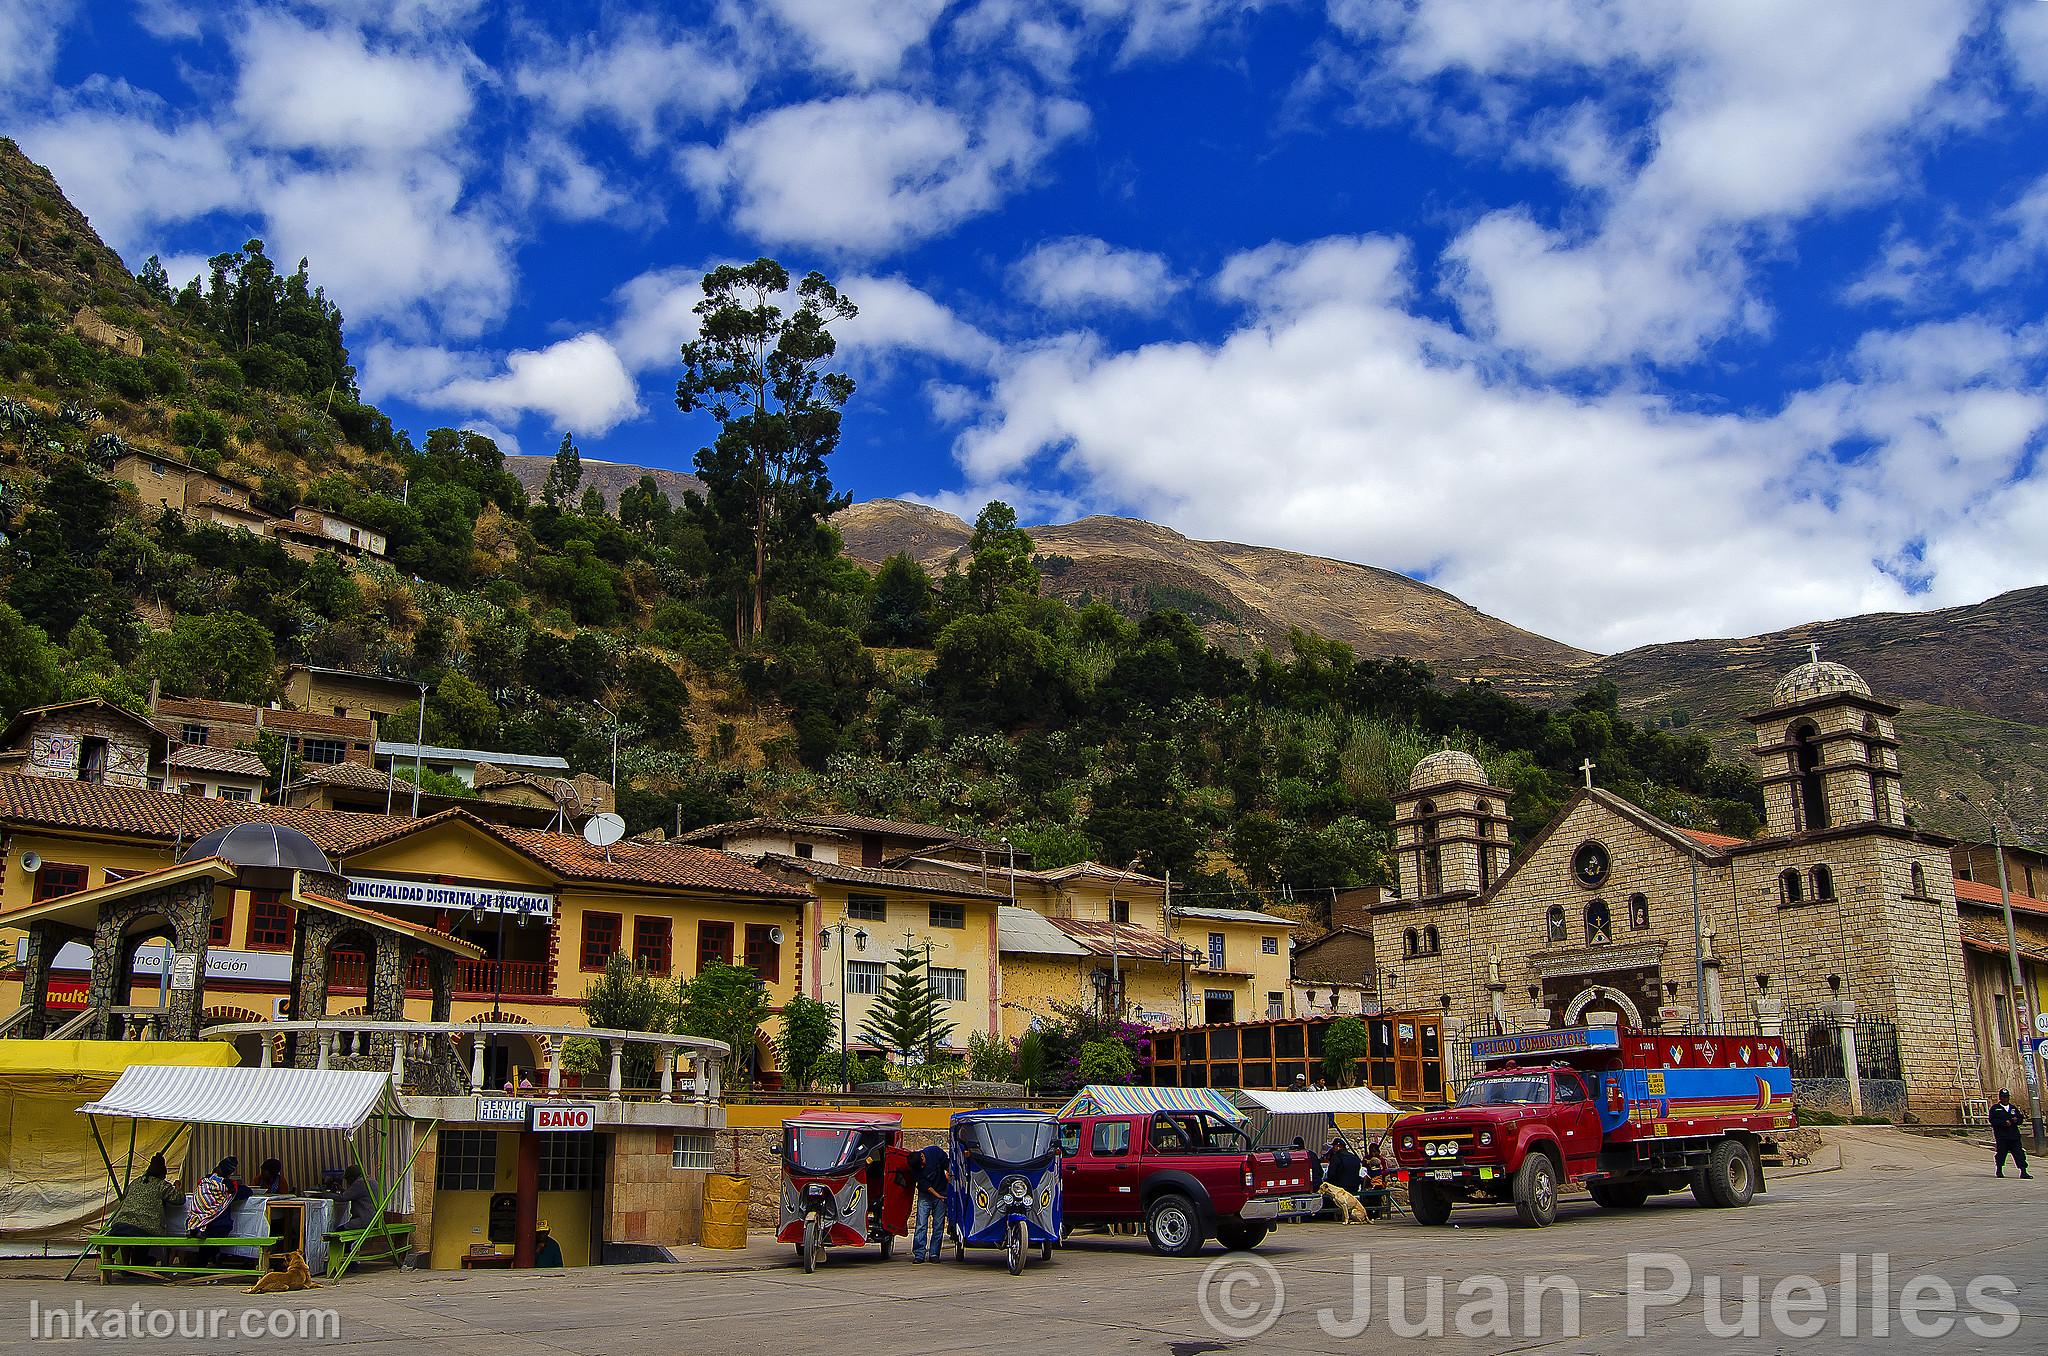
(260, 844)
(1448, 765)
(1818, 678)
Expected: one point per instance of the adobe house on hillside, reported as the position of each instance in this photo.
(90, 324)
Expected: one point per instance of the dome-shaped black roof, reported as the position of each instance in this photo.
(260, 845)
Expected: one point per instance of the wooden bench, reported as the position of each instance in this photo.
(112, 1258)
(390, 1242)
(1376, 1200)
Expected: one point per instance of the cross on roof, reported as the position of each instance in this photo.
(1813, 652)
(1587, 768)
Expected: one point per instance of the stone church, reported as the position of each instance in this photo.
(1838, 914)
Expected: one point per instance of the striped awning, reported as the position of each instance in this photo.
(1111, 1099)
(294, 1099)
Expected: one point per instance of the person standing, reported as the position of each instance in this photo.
(933, 1175)
(2005, 1133)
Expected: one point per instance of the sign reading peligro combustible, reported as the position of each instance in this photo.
(564, 1116)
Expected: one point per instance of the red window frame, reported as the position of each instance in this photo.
(221, 931)
(653, 943)
(56, 879)
(270, 921)
(714, 942)
(764, 955)
(602, 933)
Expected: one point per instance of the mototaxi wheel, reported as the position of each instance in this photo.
(1015, 1249)
(809, 1248)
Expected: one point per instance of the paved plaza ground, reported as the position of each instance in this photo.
(1920, 1208)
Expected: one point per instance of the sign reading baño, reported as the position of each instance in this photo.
(377, 892)
(564, 1116)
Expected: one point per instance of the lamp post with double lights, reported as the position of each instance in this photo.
(860, 940)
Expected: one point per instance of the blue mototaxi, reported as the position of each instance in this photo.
(1005, 1191)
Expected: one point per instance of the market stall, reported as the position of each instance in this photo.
(1278, 1118)
(1113, 1099)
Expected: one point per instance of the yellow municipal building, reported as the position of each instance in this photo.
(816, 905)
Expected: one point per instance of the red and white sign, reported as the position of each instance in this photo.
(572, 1117)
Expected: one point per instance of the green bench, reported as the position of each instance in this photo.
(390, 1242)
(112, 1250)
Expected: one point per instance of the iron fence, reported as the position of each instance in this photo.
(1813, 1045)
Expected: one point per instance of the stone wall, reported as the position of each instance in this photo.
(54, 742)
(648, 1202)
(758, 1153)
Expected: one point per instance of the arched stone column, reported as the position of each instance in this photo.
(187, 912)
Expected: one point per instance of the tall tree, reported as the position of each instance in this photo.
(999, 564)
(760, 373)
(564, 476)
(905, 1018)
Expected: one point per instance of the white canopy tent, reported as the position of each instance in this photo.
(313, 1121)
(1279, 1117)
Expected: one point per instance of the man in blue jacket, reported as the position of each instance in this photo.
(932, 1173)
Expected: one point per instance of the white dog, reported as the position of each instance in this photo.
(1350, 1210)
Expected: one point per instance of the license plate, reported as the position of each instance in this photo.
(1444, 1176)
(1486, 1174)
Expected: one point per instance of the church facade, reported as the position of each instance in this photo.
(1838, 913)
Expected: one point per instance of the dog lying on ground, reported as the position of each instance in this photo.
(293, 1277)
(1350, 1210)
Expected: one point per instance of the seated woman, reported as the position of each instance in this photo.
(270, 1179)
(213, 1205)
(143, 1206)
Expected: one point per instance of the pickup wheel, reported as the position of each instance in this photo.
(1239, 1236)
(1174, 1226)
(1428, 1203)
(1536, 1190)
(1730, 1174)
(1619, 1195)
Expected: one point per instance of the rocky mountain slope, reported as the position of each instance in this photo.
(610, 478)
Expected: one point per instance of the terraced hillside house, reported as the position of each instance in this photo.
(1838, 915)
(544, 911)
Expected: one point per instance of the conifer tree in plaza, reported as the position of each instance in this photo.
(905, 1018)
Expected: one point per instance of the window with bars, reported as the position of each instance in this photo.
(1119, 910)
(652, 944)
(270, 921)
(763, 956)
(193, 733)
(864, 977)
(601, 934)
(949, 915)
(1269, 946)
(468, 1160)
(221, 931)
(867, 908)
(569, 1163)
(57, 879)
(694, 1149)
(1215, 951)
(714, 943)
(948, 986)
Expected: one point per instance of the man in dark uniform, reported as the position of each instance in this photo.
(2005, 1133)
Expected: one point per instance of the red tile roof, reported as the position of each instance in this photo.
(882, 878)
(1712, 840)
(637, 862)
(1982, 892)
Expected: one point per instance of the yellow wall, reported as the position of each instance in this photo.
(972, 948)
(462, 1218)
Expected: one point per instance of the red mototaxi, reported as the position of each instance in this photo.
(845, 1171)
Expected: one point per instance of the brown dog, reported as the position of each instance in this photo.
(293, 1277)
(1350, 1210)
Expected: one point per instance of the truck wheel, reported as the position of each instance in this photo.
(1619, 1195)
(1702, 1190)
(1536, 1190)
(1238, 1236)
(1174, 1226)
(1731, 1175)
(1429, 1205)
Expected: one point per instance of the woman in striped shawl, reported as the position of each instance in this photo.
(213, 1205)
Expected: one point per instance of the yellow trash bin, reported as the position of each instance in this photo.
(725, 1211)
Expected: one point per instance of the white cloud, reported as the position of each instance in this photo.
(657, 315)
(29, 33)
(870, 172)
(897, 317)
(548, 169)
(1080, 273)
(327, 89)
(1370, 269)
(864, 40)
(2025, 29)
(641, 78)
(1052, 35)
(579, 384)
(1761, 113)
(1346, 425)
(390, 368)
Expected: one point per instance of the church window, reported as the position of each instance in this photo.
(1411, 943)
(1823, 883)
(1599, 923)
(1430, 943)
(1426, 812)
(1485, 864)
(1791, 889)
(1806, 765)
(1432, 871)
(1919, 879)
(1554, 926)
(1638, 912)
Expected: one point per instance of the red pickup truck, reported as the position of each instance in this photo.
(1185, 1175)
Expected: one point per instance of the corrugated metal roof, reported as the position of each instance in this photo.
(1126, 940)
(1025, 932)
(927, 882)
(1236, 916)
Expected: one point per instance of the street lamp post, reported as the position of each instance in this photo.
(419, 740)
(2021, 1017)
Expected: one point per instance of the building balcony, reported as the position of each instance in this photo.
(348, 972)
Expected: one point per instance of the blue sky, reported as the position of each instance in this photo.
(1626, 322)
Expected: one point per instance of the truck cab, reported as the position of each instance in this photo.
(1185, 1175)
(1628, 1115)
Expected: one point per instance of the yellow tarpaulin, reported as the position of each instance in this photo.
(53, 1185)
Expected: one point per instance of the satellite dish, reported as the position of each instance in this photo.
(602, 830)
(31, 862)
(775, 936)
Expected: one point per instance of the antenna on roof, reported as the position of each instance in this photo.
(604, 829)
